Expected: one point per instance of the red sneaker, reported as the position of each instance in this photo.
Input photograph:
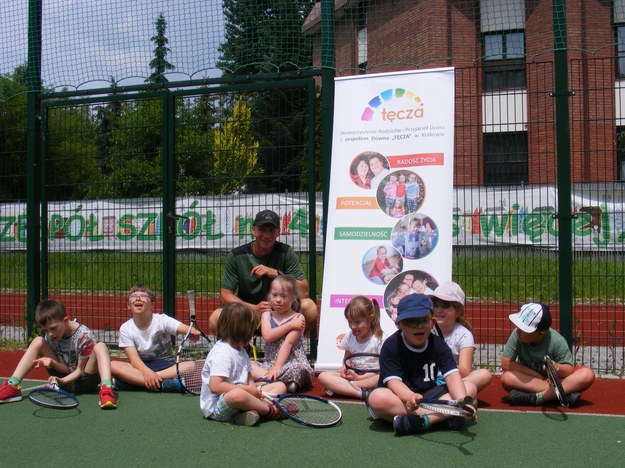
(107, 399)
(9, 393)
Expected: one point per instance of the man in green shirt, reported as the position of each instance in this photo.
(251, 267)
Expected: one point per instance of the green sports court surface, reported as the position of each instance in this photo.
(151, 429)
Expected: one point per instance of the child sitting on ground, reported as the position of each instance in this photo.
(69, 353)
(451, 318)
(228, 389)
(365, 336)
(409, 362)
(146, 340)
(282, 329)
(524, 375)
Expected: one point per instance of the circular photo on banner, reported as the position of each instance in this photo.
(381, 263)
(339, 341)
(378, 167)
(400, 193)
(359, 171)
(405, 283)
(415, 236)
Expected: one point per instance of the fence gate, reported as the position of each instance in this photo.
(156, 188)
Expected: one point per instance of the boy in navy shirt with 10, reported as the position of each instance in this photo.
(410, 359)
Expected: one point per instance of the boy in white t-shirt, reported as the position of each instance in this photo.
(146, 340)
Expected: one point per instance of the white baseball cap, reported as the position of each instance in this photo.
(450, 292)
(532, 316)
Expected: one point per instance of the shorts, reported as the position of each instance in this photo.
(222, 412)
(154, 365)
(436, 392)
(159, 364)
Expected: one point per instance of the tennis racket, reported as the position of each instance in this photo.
(192, 353)
(309, 410)
(51, 396)
(462, 407)
(362, 363)
(555, 381)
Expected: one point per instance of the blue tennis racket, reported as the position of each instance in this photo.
(51, 396)
(309, 410)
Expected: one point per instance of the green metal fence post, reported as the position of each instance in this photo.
(169, 205)
(562, 95)
(312, 207)
(327, 99)
(33, 163)
(327, 105)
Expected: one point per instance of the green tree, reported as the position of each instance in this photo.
(13, 134)
(107, 120)
(70, 167)
(134, 164)
(265, 37)
(195, 120)
(235, 151)
(159, 63)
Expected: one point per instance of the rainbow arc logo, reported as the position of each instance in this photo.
(386, 96)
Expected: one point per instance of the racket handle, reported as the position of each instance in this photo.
(191, 299)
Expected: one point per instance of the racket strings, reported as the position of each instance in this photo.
(310, 411)
(446, 409)
(52, 399)
(363, 365)
(190, 362)
(191, 376)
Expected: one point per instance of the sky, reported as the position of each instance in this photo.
(86, 42)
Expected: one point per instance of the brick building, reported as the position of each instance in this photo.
(504, 55)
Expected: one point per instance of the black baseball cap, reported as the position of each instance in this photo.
(267, 217)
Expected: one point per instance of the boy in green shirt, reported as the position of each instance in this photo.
(523, 355)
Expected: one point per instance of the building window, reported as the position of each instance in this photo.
(362, 38)
(620, 153)
(504, 60)
(505, 158)
(620, 50)
(362, 50)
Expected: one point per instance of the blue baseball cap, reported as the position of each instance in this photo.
(414, 306)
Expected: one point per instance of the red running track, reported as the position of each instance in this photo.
(595, 324)
(603, 397)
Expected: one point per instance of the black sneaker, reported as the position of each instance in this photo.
(455, 424)
(121, 385)
(519, 398)
(410, 424)
(574, 399)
